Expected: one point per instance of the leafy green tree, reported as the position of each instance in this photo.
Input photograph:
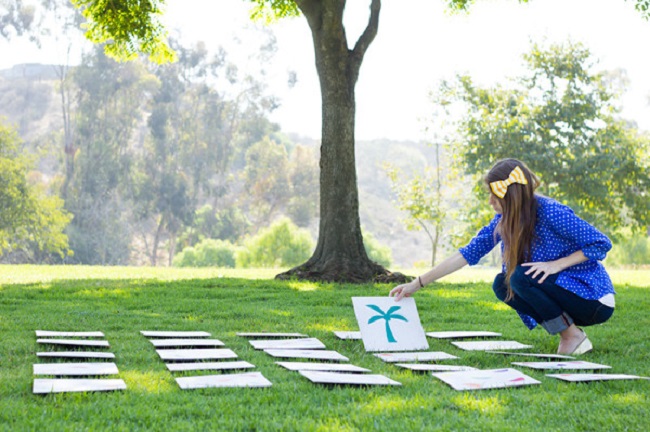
(562, 119)
(266, 179)
(110, 101)
(282, 244)
(30, 221)
(303, 175)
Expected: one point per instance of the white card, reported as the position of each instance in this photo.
(76, 354)
(490, 345)
(81, 369)
(228, 365)
(352, 335)
(548, 356)
(415, 356)
(306, 354)
(251, 379)
(485, 379)
(46, 333)
(346, 378)
(462, 334)
(332, 367)
(567, 365)
(584, 377)
(174, 334)
(196, 354)
(428, 367)
(42, 386)
(387, 325)
(74, 342)
(309, 343)
(272, 335)
(159, 343)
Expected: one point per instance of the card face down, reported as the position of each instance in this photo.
(250, 379)
(566, 365)
(387, 325)
(584, 377)
(346, 378)
(485, 379)
(490, 345)
(462, 334)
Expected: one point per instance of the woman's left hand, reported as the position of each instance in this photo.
(544, 268)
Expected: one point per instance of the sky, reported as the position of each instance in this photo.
(418, 44)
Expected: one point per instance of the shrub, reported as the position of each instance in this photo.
(282, 244)
(207, 253)
(630, 251)
(377, 252)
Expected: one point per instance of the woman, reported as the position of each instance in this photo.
(551, 270)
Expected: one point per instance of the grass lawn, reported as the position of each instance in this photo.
(122, 301)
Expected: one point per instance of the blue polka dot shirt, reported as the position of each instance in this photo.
(558, 233)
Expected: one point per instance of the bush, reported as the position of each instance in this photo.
(377, 252)
(630, 251)
(208, 253)
(282, 244)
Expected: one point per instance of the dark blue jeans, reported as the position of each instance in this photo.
(552, 306)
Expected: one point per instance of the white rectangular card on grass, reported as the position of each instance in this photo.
(584, 377)
(428, 367)
(250, 379)
(306, 354)
(196, 354)
(174, 334)
(567, 365)
(78, 369)
(415, 356)
(387, 325)
(227, 365)
(76, 354)
(331, 367)
(160, 343)
(308, 343)
(490, 345)
(351, 335)
(43, 386)
(462, 334)
(74, 342)
(272, 335)
(546, 356)
(47, 333)
(485, 379)
(320, 377)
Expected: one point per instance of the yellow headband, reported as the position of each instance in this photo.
(500, 187)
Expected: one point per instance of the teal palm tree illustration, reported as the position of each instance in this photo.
(387, 316)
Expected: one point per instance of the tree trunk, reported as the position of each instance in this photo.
(340, 255)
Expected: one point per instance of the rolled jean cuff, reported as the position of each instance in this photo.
(557, 325)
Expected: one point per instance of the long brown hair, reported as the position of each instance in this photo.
(519, 215)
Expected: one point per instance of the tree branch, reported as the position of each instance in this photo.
(367, 37)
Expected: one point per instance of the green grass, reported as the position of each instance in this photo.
(122, 301)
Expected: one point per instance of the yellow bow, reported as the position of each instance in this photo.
(500, 187)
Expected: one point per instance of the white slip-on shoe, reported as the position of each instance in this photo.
(583, 347)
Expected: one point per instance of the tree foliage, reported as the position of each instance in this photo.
(127, 28)
(562, 119)
(30, 221)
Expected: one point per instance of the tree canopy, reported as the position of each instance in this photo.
(563, 120)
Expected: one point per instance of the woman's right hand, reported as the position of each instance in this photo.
(404, 290)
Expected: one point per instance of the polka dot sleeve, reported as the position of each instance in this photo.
(566, 224)
(482, 243)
